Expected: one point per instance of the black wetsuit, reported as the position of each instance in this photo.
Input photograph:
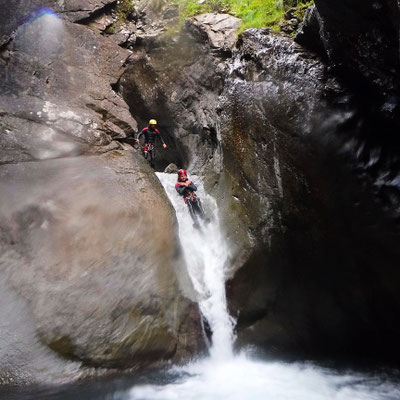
(150, 136)
(192, 201)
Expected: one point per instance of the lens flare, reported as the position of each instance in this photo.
(42, 36)
(42, 12)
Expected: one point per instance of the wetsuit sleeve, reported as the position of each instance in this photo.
(180, 189)
(192, 187)
(140, 134)
(159, 135)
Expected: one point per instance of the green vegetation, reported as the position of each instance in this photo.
(124, 9)
(301, 8)
(259, 13)
(254, 13)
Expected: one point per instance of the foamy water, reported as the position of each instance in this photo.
(206, 253)
(243, 378)
(229, 377)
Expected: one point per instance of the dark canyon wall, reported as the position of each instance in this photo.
(360, 41)
(320, 157)
(314, 279)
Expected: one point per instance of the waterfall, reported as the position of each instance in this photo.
(224, 376)
(206, 254)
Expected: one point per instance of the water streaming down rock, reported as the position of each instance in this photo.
(223, 376)
(206, 254)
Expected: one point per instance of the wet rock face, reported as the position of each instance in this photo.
(269, 106)
(360, 43)
(89, 260)
(362, 40)
(307, 284)
(365, 53)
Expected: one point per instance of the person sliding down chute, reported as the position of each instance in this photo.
(150, 134)
(187, 188)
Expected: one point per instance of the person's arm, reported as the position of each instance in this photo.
(162, 140)
(191, 186)
(180, 188)
(139, 134)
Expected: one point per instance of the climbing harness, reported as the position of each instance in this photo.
(147, 149)
(190, 196)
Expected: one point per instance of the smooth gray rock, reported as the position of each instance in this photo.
(13, 15)
(219, 29)
(89, 251)
(56, 97)
(171, 169)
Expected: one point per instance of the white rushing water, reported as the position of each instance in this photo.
(205, 253)
(229, 377)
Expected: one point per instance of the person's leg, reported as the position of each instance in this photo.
(200, 211)
(192, 213)
(152, 157)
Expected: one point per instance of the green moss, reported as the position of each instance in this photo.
(253, 13)
(123, 10)
(172, 30)
(302, 7)
(114, 154)
(110, 29)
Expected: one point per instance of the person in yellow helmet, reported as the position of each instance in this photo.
(150, 134)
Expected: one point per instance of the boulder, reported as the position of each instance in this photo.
(218, 29)
(308, 32)
(171, 169)
(89, 251)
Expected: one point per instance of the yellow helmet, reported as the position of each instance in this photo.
(152, 122)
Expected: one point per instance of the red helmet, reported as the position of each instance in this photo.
(182, 172)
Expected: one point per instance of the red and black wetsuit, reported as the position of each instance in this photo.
(185, 191)
(150, 136)
(192, 201)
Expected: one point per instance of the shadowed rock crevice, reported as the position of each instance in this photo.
(97, 13)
